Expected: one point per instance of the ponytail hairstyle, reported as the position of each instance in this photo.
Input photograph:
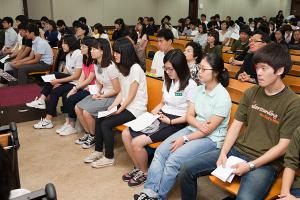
(178, 60)
(217, 64)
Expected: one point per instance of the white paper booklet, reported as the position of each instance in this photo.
(235, 36)
(108, 112)
(226, 174)
(93, 89)
(48, 78)
(142, 122)
(4, 59)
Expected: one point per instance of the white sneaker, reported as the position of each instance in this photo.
(37, 103)
(103, 162)
(62, 128)
(68, 130)
(96, 155)
(43, 123)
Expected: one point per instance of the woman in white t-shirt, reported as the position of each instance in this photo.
(108, 85)
(177, 92)
(62, 83)
(131, 101)
(224, 34)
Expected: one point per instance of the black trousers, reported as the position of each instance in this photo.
(69, 107)
(56, 93)
(105, 134)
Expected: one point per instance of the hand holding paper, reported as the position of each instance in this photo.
(108, 112)
(4, 59)
(226, 174)
(142, 121)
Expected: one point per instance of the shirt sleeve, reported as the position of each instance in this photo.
(113, 72)
(242, 111)
(78, 60)
(290, 121)
(136, 74)
(190, 90)
(291, 159)
(223, 105)
(41, 48)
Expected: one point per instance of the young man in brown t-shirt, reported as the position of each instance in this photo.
(290, 188)
(270, 113)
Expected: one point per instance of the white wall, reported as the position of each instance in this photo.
(175, 8)
(39, 8)
(11, 8)
(245, 8)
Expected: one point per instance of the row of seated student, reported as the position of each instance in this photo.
(180, 153)
(124, 85)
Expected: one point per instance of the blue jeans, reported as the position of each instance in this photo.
(166, 165)
(296, 192)
(254, 185)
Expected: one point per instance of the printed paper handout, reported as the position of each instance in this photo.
(48, 78)
(142, 122)
(108, 112)
(226, 174)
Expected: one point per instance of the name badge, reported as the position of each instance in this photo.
(178, 94)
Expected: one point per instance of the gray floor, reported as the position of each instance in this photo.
(46, 157)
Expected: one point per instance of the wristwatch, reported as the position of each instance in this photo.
(185, 139)
(252, 166)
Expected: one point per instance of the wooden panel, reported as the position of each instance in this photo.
(237, 88)
(295, 59)
(148, 65)
(227, 56)
(232, 69)
(293, 82)
(4, 139)
(295, 70)
(294, 52)
(225, 48)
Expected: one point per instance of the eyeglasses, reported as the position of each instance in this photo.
(203, 69)
(255, 41)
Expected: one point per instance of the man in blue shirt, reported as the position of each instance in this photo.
(40, 58)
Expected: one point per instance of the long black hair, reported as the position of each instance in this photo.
(104, 45)
(87, 59)
(179, 63)
(71, 41)
(125, 47)
(217, 64)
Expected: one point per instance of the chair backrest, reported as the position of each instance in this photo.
(154, 89)
(227, 56)
(237, 88)
(294, 52)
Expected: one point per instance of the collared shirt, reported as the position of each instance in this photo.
(41, 46)
(176, 102)
(158, 63)
(11, 38)
(216, 102)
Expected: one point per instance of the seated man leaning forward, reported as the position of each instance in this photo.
(39, 59)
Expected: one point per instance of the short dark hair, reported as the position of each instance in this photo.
(166, 34)
(23, 26)
(87, 60)
(215, 34)
(227, 26)
(194, 22)
(60, 22)
(217, 64)
(119, 21)
(22, 18)
(275, 55)
(124, 47)
(197, 50)
(9, 20)
(45, 19)
(203, 15)
(84, 27)
(133, 35)
(33, 28)
(82, 20)
(99, 27)
(264, 36)
(179, 63)
(167, 17)
(75, 23)
(104, 45)
(53, 24)
(71, 41)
